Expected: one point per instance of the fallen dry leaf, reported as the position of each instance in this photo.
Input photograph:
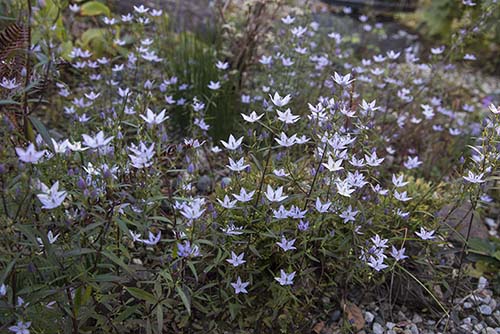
(354, 315)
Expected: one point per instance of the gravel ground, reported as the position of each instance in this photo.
(477, 313)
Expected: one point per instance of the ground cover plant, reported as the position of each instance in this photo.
(157, 182)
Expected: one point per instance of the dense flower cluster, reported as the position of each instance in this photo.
(317, 185)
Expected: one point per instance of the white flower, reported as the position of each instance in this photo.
(280, 101)
(60, 147)
(288, 19)
(285, 279)
(333, 165)
(287, 117)
(377, 263)
(322, 208)
(239, 286)
(50, 237)
(29, 155)
(9, 84)
(74, 8)
(232, 144)
(152, 118)
(237, 166)
(152, 239)
(97, 141)
(275, 195)
(493, 109)
(236, 260)
(343, 81)
(193, 210)
(373, 160)
(286, 245)
(473, 178)
(222, 65)
(227, 203)
(344, 187)
(51, 198)
(135, 236)
(141, 9)
(280, 172)
(252, 118)
(403, 197)
(21, 328)
(76, 147)
(398, 254)
(425, 235)
(214, 85)
(244, 196)
(398, 181)
(286, 141)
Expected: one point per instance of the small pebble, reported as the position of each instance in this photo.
(467, 305)
(390, 325)
(377, 328)
(485, 309)
(416, 319)
(490, 330)
(369, 317)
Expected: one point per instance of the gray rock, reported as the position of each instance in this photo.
(335, 316)
(493, 304)
(478, 327)
(204, 184)
(416, 319)
(485, 309)
(369, 317)
(457, 221)
(414, 329)
(377, 328)
(390, 325)
(490, 330)
(467, 305)
(466, 327)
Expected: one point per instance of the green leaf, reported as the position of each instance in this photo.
(92, 34)
(7, 102)
(8, 269)
(185, 298)
(78, 251)
(117, 260)
(141, 294)
(127, 313)
(42, 130)
(94, 8)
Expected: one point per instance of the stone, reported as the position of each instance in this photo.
(457, 220)
(335, 316)
(414, 329)
(369, 317)
(204, 184)
(482, 284)
(466, 327)
(377, 328)
(490, 330)
(390, 325)
(485, 309)
(401, 316)
(493, 304)
(416, 319)
(478, 327)
(467, 305)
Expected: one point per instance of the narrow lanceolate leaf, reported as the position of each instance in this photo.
(141, 294)
(185, 299)
(42, 130)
